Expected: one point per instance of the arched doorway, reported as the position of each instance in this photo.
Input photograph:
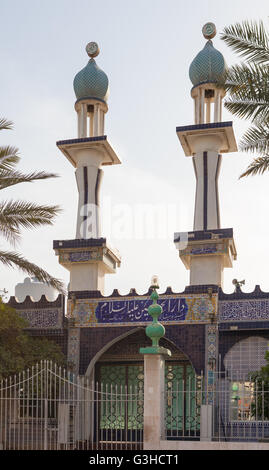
(120, 370)
(242, 359)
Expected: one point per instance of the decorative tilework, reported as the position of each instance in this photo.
(244, 310)
(208, 66)
(189, 339)
(73, 349)
(43, 318)
(211, 359)
(41, 314)
(91, 81)
(126, 311)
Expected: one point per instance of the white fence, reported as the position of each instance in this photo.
(230, 409)
(48, 408)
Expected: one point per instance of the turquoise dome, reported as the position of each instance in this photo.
(208, 66)
(91, 82)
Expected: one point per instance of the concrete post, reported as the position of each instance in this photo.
(154, 428)
(206, 422)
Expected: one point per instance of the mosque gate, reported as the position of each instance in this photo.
(49, 408)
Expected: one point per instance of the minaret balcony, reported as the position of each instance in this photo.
(199, 137)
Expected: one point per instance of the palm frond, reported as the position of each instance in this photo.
(248, 88)
(251, 78)
(258, 166)
(10, 178)
(8, 157)
(249, 39)
(257, 111)
(13, 259)
(256, 139)
(15, 215)
(5, 124)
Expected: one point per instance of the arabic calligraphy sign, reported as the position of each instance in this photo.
(133, 310)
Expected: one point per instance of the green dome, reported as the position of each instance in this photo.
(91, 82)
(208, 66)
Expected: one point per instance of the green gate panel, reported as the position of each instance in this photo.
(122, 402)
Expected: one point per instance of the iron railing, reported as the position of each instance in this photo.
(234, 409)
(49, 408)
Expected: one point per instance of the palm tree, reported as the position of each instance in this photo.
(15, 215)
(247, 84)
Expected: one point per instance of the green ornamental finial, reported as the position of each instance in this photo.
(155, 331)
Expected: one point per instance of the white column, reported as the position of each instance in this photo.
(202, 106)
(102, 121)
(79, 113)
(91, 124)
(208, 106)
(154, 365)
(206, 200)
(96, 120)
(88, 177)
(196, 110)
(217, 107)
(83, 127)
(199, 200)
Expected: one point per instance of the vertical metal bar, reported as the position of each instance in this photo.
(22, 408)
(176, 391)
(59, 396)
(117, 421)
(5, 408)
(27, 407)
(183, 408)
(49, 396)
(122, 397)
(134, 412)
(12, 423)
(195, 406)
(118, 416)
(93, 428)
(55, 398)
(98, 402)
(9, 417)
(41, 434)
(76, 411)
(262, 409)
(1, 413)
(243, 408)
(103, 413)
(46, 406)
(189, 399)
(16, 411)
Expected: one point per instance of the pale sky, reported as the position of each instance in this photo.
(146, 49)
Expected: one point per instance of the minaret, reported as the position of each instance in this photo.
(88, 257)
(208, 249)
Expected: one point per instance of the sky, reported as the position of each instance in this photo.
(146, 48)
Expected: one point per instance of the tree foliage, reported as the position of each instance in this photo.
(247, 85)
(18, 215)
(19, 350)
(260, 404)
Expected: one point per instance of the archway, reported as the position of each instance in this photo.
(243, 358)
(119, 371)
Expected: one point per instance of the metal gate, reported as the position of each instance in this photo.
(49, 408)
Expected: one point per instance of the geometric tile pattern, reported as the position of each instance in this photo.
(73, 349)
(244, 310)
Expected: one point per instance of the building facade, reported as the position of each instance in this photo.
(207, 331)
